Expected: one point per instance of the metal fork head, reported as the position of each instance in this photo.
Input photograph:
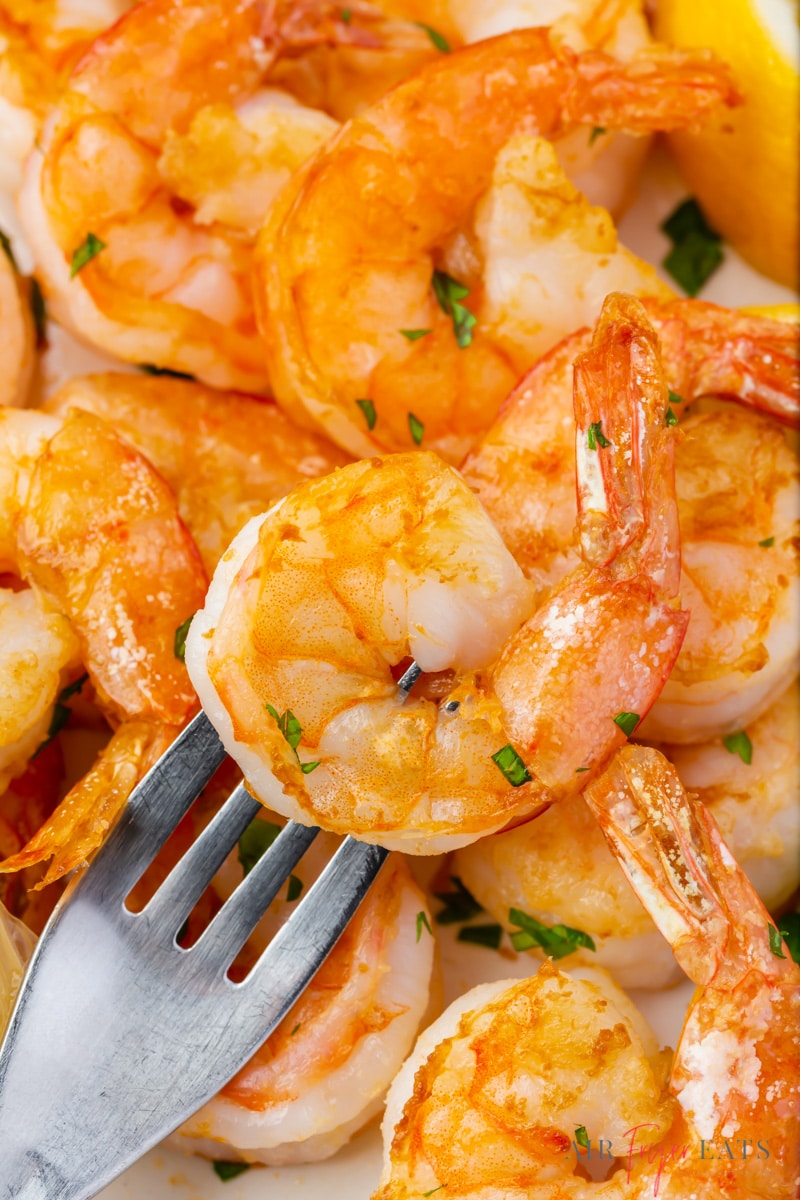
(119, 1034)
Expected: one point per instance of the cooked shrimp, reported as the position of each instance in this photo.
(559, 869)
(157, 168)
(323, 1073)
(25, 806)
(17, 338)
(492, 1097)
(319, 599)
(523, 468)
(226, 456)
(89, 524)
(345, 264)
(16, 947)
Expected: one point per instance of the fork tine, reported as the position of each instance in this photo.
(157, 804)
(222, 940)
(186, 882)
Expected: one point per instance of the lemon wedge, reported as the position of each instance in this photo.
(742, 166)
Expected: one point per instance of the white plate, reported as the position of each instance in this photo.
(353, 1173)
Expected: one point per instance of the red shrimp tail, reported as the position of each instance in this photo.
(627, 510)
(660, 89)
(745, 357)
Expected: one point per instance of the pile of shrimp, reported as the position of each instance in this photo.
(332, 403)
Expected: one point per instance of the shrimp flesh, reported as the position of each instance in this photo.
(17, 336)
(159, 189)
(379, 222)
(322, 1074)
(523, 468)
(318, 600)
(226, 456)
(559, 869)
(94, 531)
(501, 1094)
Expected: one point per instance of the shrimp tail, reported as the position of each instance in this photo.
(661, 89)
(746, 357)
(83, 818)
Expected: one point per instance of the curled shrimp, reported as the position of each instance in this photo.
(393, 557)
(17, 337)
(323, 1073)
(159, 187)
(226, 456)
(94, 531)
(506, 1094)
(359, 232)
(559, 870)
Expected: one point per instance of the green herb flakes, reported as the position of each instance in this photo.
(84, 254)
(767, 542)
(670, 418)
(439, 40)
(229, 1170)
(789, 928)
(739, 743)
(459, 905)
(423, 923)
(38, 312)
(582, 1137)
(627, 722)
(288, 724)
(413, 335)
(449, 292)
(775, 943)
(557, 941)
(696, 252)
(597, 132)
(368, 409)
(489, 936)
(179, 643)
(255, 841)
(152, 369)
(308, 767)
(595, 436)
(512, 766)
(416, 428)
(5, 246)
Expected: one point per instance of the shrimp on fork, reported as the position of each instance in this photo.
(17, 335)
(394, 557)
(490, 1100)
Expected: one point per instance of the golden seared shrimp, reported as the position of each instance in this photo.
(522, 470)
(317, 604)
(157, 168)
(739, 503)
(371, 249)
(506, 1093)
(88, 523)
(559, 870)
(324, 1072)
(226, 456)
(17, 337)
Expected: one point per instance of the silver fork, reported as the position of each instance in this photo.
(119, 1034)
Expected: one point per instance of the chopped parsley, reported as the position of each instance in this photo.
(288, 724)
(416, 428)
(556, 940)
(84, 253)
(789, 927)
(255, 841)
(38, 312)
(61, 712)
(229, 1170)
(346, 15)
(595, 437)
(627, 722)
(489, 936)
(580, 770)
(152, 369)
(449, 292)
(308, 767)
(670, 418)
(5, 246)
(459, 905)
(179, 644)
(674, 398)
(294, 1031)
(739, 743)
(433, 1191)
(439, 40)
(423, 923)
(597, 132)
(696, 252)
(582, 1137)
(767, 542)
(294, 889)
(413, 335)
(368, 409)
(512, 766)
(775, 944)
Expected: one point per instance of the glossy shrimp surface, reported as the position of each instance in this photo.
(17, 339)
(93, 530)
(346, 261)
(226, 456)
(559, 869)
(490, 1102)
(162, 157)
(393, 557)
(323, 1073)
